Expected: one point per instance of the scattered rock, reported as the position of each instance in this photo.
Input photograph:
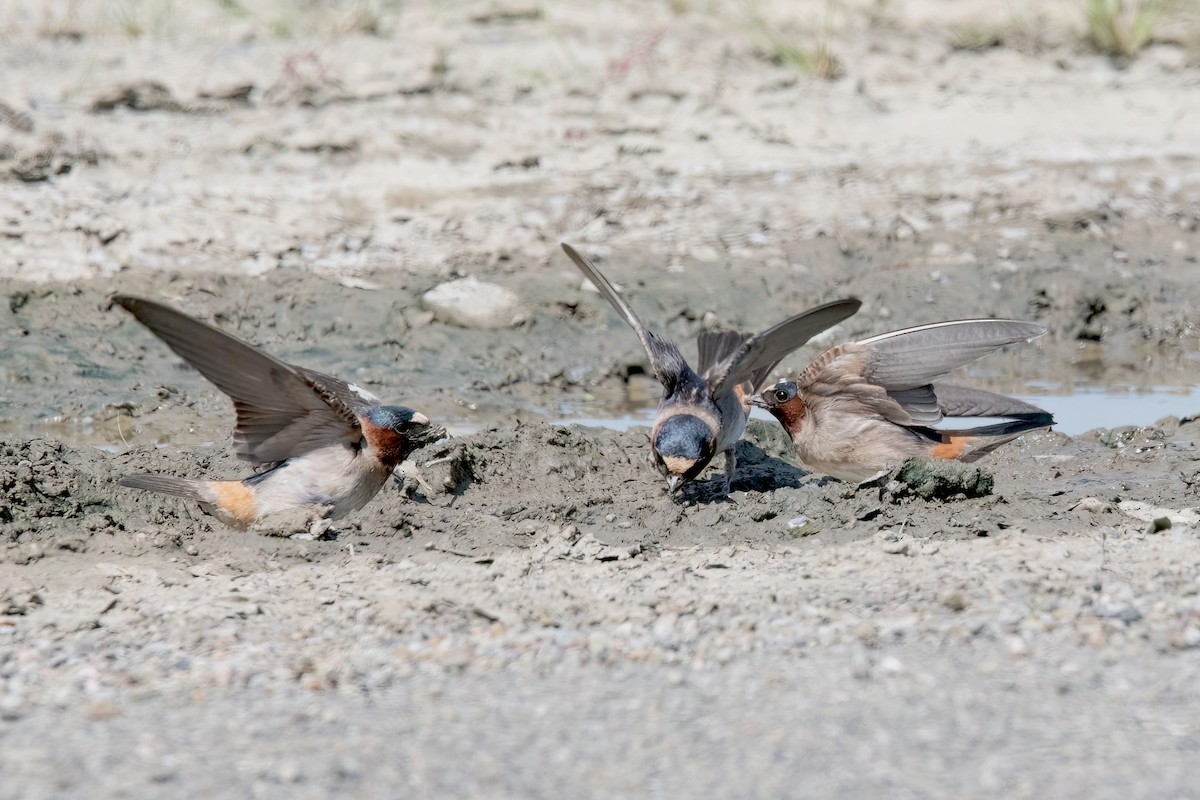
(471, 303)
(1159, 524)
(1155, 515)
(237, 93)
(16, 120)
(145, 95)
(803, 527)
(1137, 436)
(53, 156)
(1092, 505)
(953, 600)
(895, 543)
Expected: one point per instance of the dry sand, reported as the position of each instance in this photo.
(526, 613)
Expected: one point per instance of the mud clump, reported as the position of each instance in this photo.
(42, 478)
(937, 479)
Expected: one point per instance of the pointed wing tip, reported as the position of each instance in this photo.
(572, 253)
(1026, 329)
(849, 306)
(580, 260)
(125, 301)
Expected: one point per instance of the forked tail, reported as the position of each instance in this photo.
(968, 445)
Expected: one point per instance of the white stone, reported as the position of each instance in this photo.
(471, 303)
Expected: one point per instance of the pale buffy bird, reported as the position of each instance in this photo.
(317, 442)
(703, 412)
(864, 406)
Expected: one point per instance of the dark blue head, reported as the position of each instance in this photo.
(396, 418)
(683, 445)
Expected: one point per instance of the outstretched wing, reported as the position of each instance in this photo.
(891, 375)
(666, 361)
(282, 411)
(757, 355)
(913, 357)
(716, 347)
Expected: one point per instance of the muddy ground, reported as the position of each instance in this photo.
(525, 612)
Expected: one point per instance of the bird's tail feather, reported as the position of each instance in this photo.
(968, 445)
(960, 401)
(166, 484)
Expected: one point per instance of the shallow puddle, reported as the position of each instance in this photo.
(1113, 407)
(1076, 412)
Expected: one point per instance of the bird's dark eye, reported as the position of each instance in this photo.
(781, 395)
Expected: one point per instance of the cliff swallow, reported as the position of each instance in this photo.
(703, 412)
(865, 406)
(317, 441)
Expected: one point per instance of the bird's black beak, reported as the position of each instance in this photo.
(423, 433)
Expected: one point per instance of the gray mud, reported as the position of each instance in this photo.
(521, 587)
(573, 358)
(525, 612)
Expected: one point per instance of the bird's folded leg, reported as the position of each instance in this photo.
(730, 466)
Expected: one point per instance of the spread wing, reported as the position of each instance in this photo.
(717, 346)
(891, 375)
(666, 361)
(913, 357)
(757, 355)
(282, 411)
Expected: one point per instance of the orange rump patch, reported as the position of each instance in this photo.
(235, 499)
(951, 447)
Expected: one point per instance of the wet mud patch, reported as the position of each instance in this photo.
(86, 374)
(509, 487)
(53, 495)
(497, 491)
